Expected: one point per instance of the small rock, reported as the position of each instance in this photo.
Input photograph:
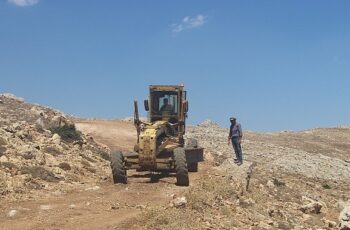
(65, 166)
(306, 217)
(140, 207)
(270, 222)
(56, 139)
(40, 124)
(46, 207)
(27, 155)
(95, 188)
(312, 207)
(72, 206)
(3, 159)
(270, 184)
(264, 225)
(12, 213)
(113, 207)
(3, 141)
(22, 134)
(247, 202)
(179, 202)
(329, 223)
(58, 121)
(229, 203)
(37, 111)
(16, 126)
(40, 157)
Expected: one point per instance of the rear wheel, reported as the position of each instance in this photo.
(118, 168)
(192, 144)
(181, 167)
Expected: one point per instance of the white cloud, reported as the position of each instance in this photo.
(23, 2)
(189, 23)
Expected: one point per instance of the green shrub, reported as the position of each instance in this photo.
(326, 186)
(67, 132)
(104, 155)
(278, 183)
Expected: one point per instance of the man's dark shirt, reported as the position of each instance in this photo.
(235, 130)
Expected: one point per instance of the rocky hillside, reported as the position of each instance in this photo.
(42, 153)
(289, 180)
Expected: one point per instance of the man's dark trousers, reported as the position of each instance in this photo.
(238, 149)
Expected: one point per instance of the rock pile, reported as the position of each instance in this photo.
(291, 186)
(274, 156)
(33, 157)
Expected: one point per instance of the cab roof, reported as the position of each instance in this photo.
(166, 87)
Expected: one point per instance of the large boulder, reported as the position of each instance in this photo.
(344, 218)
(56, 139)
(58, 121)
(311, 206)
(40, 123)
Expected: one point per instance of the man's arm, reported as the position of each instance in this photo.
(240, 133)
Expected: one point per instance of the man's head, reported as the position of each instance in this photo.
(165, 101)
(233, 120)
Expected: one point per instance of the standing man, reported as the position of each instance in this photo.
(235, 136)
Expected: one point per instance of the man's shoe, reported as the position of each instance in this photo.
(236, 160)
(239, 163)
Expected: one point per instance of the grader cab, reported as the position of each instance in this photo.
(160, 140)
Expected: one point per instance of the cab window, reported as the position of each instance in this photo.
(165, 102)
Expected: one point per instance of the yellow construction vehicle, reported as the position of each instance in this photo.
(160, 140)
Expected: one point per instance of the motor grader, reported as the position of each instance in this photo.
(160, 144)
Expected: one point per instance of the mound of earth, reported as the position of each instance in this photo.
(289, 180)
(40, 151)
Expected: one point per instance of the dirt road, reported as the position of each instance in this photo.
(116, 134)
(104, 206)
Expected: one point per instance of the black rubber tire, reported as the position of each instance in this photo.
(118, 168)
(181, 167)
(191, 143)
(193, 167)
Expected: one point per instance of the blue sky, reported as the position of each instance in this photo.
(275, 65)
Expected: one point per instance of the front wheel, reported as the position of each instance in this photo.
(181, 167)
(118, 168)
